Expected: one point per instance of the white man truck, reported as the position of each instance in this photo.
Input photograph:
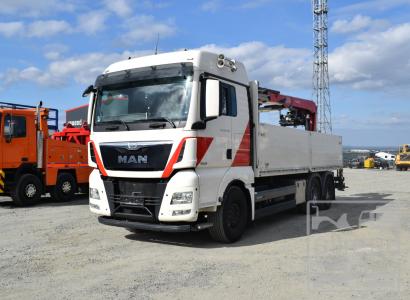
(178, 144)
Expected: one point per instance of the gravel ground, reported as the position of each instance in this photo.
(60, 251)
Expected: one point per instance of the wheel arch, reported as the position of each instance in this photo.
(69, 171)
(27, 169)
(243, 179)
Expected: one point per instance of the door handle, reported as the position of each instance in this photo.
(229, 153)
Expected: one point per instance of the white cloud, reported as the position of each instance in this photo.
(374, 61)
(358, 23)
(92, 22)
(120, 7)
(11, 29)
(254, 4)
(47, 28)
(37, 29)
(34, 8)
(145, 28)
(211, 5)
(54, 51)
(152, 4)
(276, 67)
(378, 61)
(389, 120)
(373, 5)
(82, 69)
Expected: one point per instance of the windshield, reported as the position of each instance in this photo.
(144, 100)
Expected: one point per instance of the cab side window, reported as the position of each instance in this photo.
(15, 126)
(228, 100)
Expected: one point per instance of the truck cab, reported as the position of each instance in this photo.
(17, 143)
(173, 137)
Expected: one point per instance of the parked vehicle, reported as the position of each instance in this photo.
(356, 163)
(177, 144)
(403, 158)
(35, 158)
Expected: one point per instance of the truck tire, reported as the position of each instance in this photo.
(65, 187)
(27, 191)
(328, 192)
(313, 193)
(230, 220)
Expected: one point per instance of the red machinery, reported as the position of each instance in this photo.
(80, 136)
(302, 112)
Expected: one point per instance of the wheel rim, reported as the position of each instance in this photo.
(314, 195)
(233, 215)
(66, 187)
(30, 190)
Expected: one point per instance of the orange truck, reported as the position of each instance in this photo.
(36, 159)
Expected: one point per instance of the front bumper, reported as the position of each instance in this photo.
(153, 227)
(145, 200)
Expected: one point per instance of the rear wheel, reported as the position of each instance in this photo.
(65, 187)
(27, 191)
(313, 194)
(230, 220)
(328, 192)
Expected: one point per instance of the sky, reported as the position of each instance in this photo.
(52, 49)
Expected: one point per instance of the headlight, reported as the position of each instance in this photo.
(182, 198)
(94, 194)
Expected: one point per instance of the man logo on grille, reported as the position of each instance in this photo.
(132, 159)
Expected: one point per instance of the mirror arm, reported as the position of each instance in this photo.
(202, 124)
(88, 90)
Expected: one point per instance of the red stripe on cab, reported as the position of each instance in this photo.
(99, 161)
(243, 155)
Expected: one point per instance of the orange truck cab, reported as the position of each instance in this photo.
(36, 159)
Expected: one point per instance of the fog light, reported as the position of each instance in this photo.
(95, 206)
(182, 198)
(181, 212)
(94, 194)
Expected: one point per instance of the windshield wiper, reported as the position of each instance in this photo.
(115, 122)
(156, 125)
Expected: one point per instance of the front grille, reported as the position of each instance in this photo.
(135, 156)
(138, 200)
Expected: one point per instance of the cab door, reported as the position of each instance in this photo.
(218, 159)
(16, 141)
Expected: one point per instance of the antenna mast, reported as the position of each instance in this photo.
(156, 45)
(321, 91)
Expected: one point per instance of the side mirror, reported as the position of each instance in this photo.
(88, 90)
(90, 109)
(212, 99)
(8, 132)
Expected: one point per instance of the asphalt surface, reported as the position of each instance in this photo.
(60, 251)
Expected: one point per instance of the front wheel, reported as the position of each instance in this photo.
(27, 190)
(231, 218)
(65, 187)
